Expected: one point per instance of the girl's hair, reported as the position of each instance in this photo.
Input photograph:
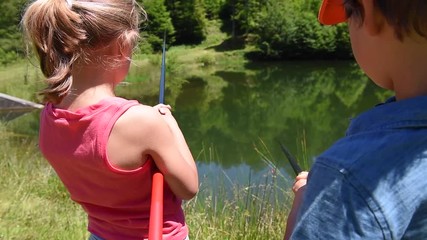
(405, 16)
(64, 31)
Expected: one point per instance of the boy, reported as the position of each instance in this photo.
(371, 184)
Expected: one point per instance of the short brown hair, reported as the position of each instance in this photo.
(405, 16)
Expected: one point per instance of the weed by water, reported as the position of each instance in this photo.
(257, 210)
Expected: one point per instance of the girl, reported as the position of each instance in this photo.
(105, 148)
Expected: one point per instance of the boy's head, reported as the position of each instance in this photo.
(388, 39)
(405, 16)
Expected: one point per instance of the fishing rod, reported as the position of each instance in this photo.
(292, 160)
(155, 227)
(163, 72)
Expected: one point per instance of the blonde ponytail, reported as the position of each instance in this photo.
(64, 31)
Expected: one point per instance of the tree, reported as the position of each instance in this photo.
(213, 8)
(188, 18)
(289, 30)
(11, 44)
(241, 16)
(159, 23)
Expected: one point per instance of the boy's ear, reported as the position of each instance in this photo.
(374, 21)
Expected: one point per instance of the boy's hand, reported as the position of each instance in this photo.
(298, 188)
(300, 181)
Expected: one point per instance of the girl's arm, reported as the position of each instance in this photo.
(173, 156)
(145, 131)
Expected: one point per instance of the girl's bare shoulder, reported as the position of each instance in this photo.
(134, 135)
(138, 121)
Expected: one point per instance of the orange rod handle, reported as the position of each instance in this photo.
(155, 229)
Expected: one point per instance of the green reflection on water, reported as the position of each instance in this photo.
(306, 105)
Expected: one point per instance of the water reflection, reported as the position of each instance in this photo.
(305, 105)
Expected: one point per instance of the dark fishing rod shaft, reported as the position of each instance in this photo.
(292, 160)
(163, 72)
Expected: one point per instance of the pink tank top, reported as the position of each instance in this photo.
(117, 201)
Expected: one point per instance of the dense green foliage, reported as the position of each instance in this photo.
(11, 45)
(188, 18)
(159, 23)
(286, 29)
(273, 29)
(212, 8)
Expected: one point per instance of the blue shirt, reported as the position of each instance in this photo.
(371, 184)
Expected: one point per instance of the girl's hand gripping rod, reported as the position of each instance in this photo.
(155, 228)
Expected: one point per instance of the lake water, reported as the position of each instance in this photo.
(234, 118)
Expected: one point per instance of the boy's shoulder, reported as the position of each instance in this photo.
(390, 138)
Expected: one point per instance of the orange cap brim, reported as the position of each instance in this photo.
(332, 12)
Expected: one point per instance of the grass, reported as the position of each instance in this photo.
(255, 210)
(20, 79)
(35, 205)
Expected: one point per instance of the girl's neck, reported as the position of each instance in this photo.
(90, 85)
(78, 98)
(94, 80)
